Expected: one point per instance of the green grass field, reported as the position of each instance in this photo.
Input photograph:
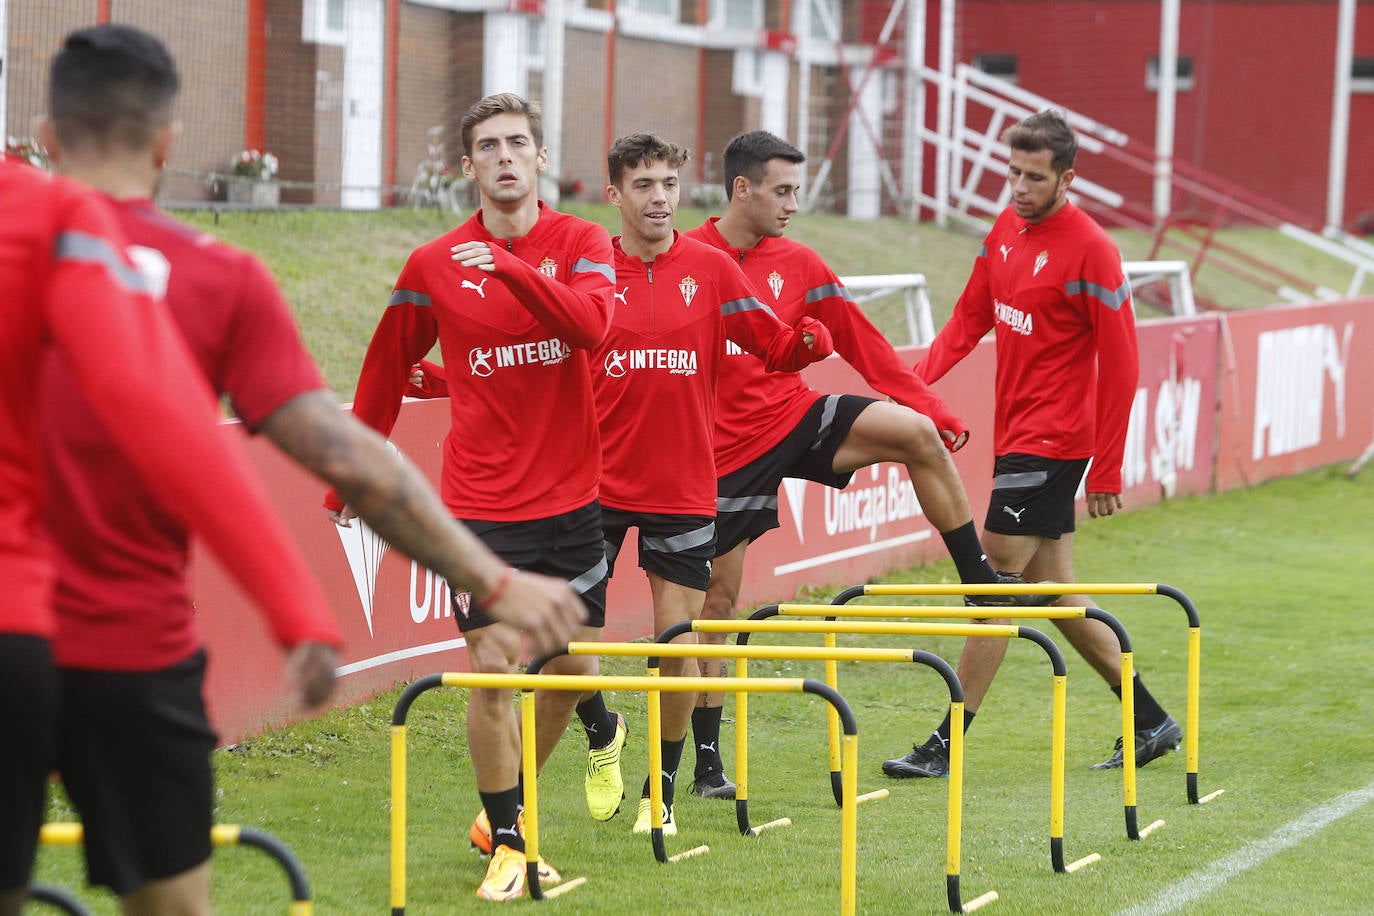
(1276, 574)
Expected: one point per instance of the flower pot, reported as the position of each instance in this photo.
(254, 193)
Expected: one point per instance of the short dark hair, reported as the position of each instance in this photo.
(642, 149)
(498, 104)
(749, 155)
(1045, 130)
(111, 86)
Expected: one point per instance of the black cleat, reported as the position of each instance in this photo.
(713, 784)
(1150, 743)
(931, 761)
(1009, 600)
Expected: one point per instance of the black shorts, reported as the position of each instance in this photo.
(133, 749)
(678, 548)
(568, 546)
(1033, 495)
(28, 712)
(747, 499)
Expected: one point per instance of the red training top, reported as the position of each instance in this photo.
(756, 410)
(1067, 362)
(122, 598)
(655, 373)
(68, 282)
(523, 443)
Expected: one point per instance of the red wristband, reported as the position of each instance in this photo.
(495, 594)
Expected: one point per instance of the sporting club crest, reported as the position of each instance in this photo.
(688, 287)
(549, 268)
(775, 283)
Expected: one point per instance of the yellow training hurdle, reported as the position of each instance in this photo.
(830, 654)
(1057, 727)
(72, 834)
(528, 683)
(1194, 678)
(1128, 774)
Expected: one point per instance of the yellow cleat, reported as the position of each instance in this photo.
(480, 837)
(604, 785)
(642, 820)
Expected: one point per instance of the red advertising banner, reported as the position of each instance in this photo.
(1297, 389)
(1291, 398)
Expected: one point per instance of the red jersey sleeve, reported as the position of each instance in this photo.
(433, 385)
(972, 318)
(160, 410)
(578, 311)
(268, 364)
(1118, 365)
(865, 348)
(757, 329)
(405, 334)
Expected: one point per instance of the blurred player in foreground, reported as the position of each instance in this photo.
(516, 296)
(130, 661)
(68, 285)
(1049, 280)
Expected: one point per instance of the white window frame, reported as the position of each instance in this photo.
(315, 27)
(719, 15)
(1184, 82)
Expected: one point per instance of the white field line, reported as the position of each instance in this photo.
(1201, 883)
(413, 652)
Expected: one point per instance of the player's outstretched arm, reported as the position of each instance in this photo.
(399, 504)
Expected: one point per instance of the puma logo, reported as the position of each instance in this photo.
(1014, 513)
(707, 747)
(477, 287)
(671, 777)
(506, 831)
(620, 296)
(1006, 250)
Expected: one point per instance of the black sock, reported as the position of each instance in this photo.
(967, 553)
(940, 737)
(706, 734)
(503, 810)
(672, 757)
(597, 720)
(1148, 712)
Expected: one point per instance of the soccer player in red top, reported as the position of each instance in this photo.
(68, 284)
(516, 296)
(654, 377)
(771, 426)
(129, 659)
(1049, 281)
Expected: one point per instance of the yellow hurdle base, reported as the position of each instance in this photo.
(565, 887)
(980, 901)
(1150, 828)
(1084, 862)
(780, 822)
(1211, 795)
(688, 853)
(875, 795)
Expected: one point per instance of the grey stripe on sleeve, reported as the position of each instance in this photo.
(744, 304)
(1111, 298)
(409, 297)
(92, 249)
(587, 265)
(826, 290)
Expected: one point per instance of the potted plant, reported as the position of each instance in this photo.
(252, 179)
(27, 149)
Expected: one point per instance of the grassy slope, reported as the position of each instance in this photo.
(337, 269)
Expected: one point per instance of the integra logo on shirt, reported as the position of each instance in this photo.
(1015, 319)
(483, 361)
(676, 362)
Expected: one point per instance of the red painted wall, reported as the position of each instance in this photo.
(1259, 112)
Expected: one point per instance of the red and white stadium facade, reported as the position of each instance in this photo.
(1225, 400)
